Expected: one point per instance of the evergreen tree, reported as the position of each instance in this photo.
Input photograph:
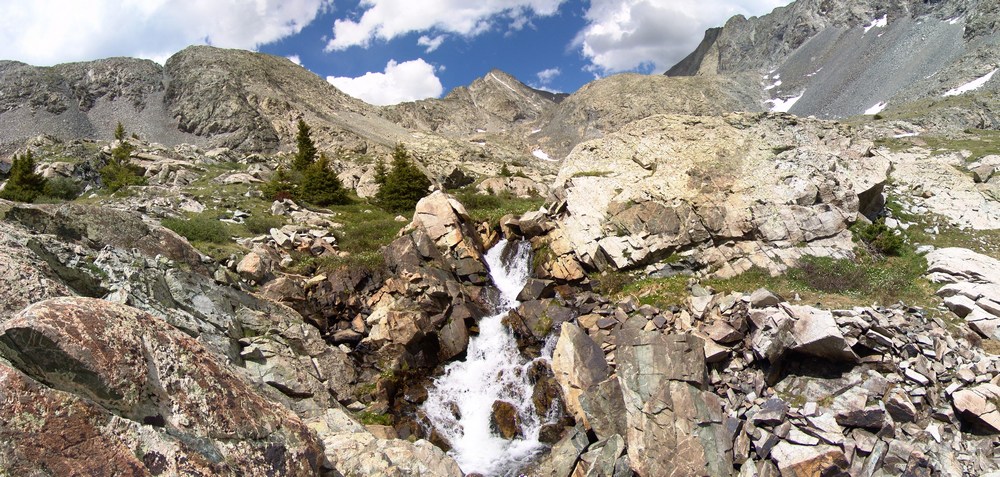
(306, 154)
(320, 184)
(380, 172)
(281, 186)
(24, 184)
(120, 131)
(404, 185)
(120, 172)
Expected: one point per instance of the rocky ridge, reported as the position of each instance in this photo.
(733, 192)
(808, 56)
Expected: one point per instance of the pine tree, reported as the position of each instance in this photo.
(120, 172)
(120, 131)
(320, 184)
(24, 184)
(306, 153)
(380, 172)
(404, 185)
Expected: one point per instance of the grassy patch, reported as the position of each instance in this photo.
(374, 418)
(832, 283)
(591, 174)
(204, 227)
(977, 142)
(492, 207)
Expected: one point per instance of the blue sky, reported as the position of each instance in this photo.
(382, 51)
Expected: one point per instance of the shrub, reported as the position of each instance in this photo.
(281, 186)
(830, 275)
(305, 156)
(24, 185)
(880, 239)
(321, 186)
(200, 228)
(404, 185)
(262, 224)
(61, 188)
(505, 171)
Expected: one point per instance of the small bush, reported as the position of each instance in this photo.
(880, 239)
(61, 188)
(262, 224)
(200, 228)
(830, 275)
(281, 186)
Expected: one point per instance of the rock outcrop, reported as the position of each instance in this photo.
(148, 397)
(741, 190)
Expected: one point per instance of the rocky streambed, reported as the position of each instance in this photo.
(170, 365)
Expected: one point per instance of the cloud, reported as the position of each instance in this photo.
(388, 19)
(407, 81)
(546, 76)
(295, 59)
(623, 35)
(431, 43)
(58, 31)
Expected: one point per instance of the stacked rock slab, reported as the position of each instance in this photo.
(743, 190)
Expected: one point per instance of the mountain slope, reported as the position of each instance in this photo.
(839, 59)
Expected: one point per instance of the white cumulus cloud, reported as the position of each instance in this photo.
(388, 19)
(295, 59)
(623, 35)
(407, 81)
(546, 76)
(58, 31)
(431, 43)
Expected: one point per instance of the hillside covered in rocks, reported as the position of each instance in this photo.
(654, 275)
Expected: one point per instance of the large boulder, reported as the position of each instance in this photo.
(578, 364)
(353, 450)
(448, 225)
(764, 182)
(151, 382)
(972, 287)
(675, 425)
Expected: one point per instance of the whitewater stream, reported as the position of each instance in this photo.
(493, 370)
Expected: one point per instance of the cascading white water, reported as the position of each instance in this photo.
(493, 370)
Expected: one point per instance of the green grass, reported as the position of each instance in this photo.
(877, 274)
(492, 207)
(203, 227)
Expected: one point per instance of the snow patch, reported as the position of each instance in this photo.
(536, 131)
(876, 109)
(909, 134)
(775, 85)
(542, 155)
(972, 85)
(955, 21)
(779, 105)
(480, 130)
(878, 23)
(814, 73)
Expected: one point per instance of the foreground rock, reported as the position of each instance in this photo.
(749, 384)
(148, 398)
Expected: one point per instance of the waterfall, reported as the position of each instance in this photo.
(459, 405)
